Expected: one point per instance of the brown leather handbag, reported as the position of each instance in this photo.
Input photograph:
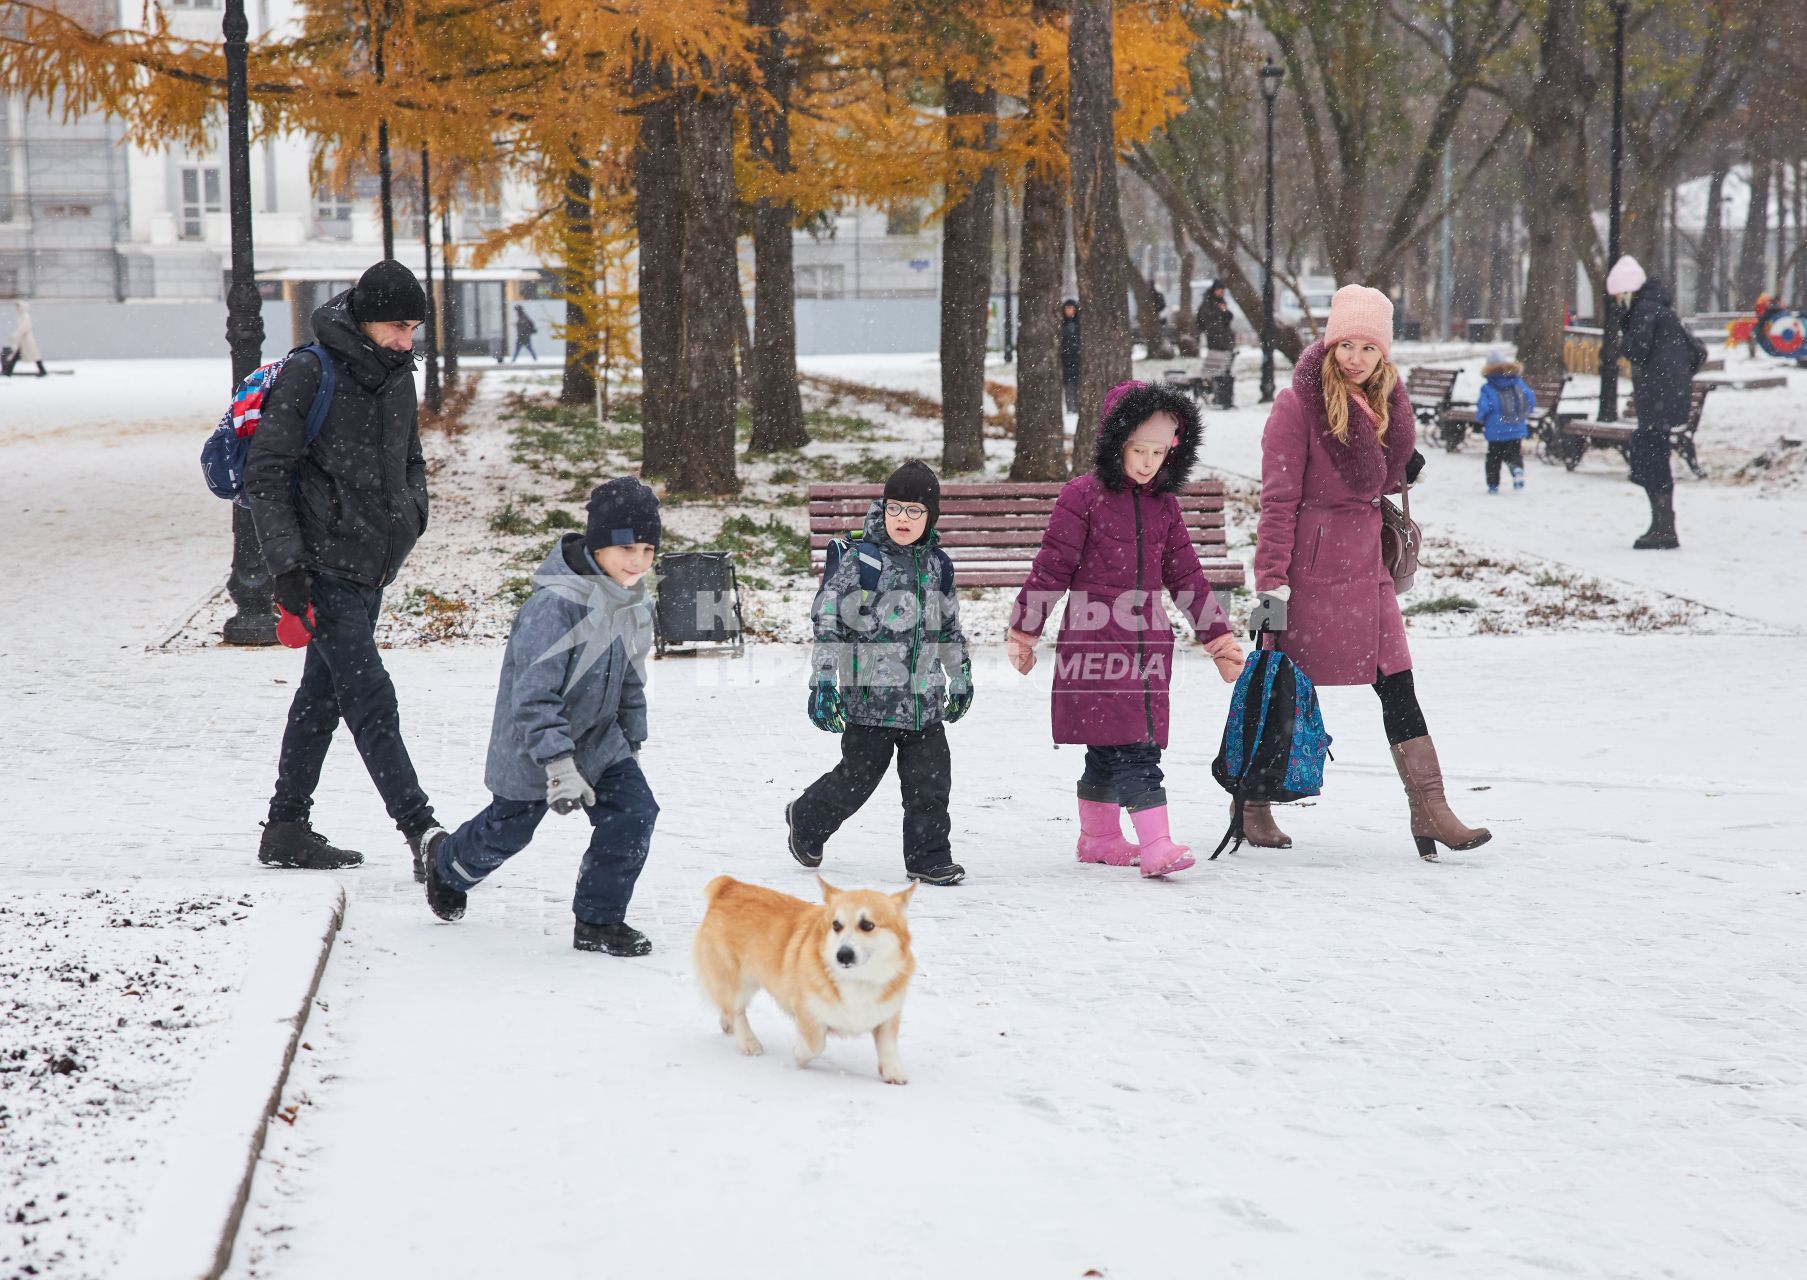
(1400, 540)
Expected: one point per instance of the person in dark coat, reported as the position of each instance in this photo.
(1217, 326)
(1664, 358)
(1116, 538)
(336, 517)
(524, 329)
(1069, 353)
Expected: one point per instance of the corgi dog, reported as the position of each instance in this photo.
(842, 966)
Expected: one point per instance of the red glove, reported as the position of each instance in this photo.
(294, 631)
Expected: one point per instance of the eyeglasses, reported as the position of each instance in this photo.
(911, 512)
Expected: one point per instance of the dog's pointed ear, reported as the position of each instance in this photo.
(902, 899)
(829, 892)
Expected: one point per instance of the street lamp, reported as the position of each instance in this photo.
(426, 245)
(248, 584)
(1609, 340)
(1270, 89)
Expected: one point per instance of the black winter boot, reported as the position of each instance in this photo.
(947, 873)
(421, 846)
(297, 845)
(809, 855)
(1661, 535)
(616, 939)
(446, 899)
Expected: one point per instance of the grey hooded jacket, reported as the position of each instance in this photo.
(573, 677)
(893, 653)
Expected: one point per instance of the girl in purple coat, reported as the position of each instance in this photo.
(1338, 439)
(1115, 539)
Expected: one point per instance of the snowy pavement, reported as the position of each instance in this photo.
(1580, 1050)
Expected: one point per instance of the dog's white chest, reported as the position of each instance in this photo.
(858, 1011)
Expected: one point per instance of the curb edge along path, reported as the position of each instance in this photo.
(189, 1223)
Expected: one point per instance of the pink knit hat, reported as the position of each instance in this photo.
(1360, 312)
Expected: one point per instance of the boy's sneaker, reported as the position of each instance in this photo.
(616, 939)
(1493, 488)
(1518, 477)
(809, 856)
(947, 873)
(417, 845)
(446, 899)
(297, 845)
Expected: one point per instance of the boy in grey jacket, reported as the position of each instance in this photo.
(570, 717)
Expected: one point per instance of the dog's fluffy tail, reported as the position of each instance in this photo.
(714, 888)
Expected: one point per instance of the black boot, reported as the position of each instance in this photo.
(946, 874)
(446, 899)
(421, 846)
(616, 939)
(297, 845)
(809, 855)
(1661, 535)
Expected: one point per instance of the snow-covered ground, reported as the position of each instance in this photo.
(1580, 1050)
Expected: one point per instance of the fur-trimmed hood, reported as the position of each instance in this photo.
(1503, 369)
(1364, 463)
(1131, 410)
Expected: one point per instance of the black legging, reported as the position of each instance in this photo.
(1399, 710)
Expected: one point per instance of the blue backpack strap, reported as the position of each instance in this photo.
(323, 396)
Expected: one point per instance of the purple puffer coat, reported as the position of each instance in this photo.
(1111, 547)
(1319, 530)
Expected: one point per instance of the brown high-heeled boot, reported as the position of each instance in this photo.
(1259, 828)
(1433, 823)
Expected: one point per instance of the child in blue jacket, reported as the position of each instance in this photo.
(1504, 411)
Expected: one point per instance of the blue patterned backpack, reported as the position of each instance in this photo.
(1274, 740)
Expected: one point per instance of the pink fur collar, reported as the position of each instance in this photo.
(1366, 467)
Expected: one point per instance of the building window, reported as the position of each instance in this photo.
(6, 182)
(823, 280)
(200, 197)
(904, 219)
(193, 4)
(332, 215)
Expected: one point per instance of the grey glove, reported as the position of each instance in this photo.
(566, 789)
(1269, 612)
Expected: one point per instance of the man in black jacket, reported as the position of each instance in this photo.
(1216, 325)
(336, 518)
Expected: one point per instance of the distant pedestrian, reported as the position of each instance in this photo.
(336, 517)
(1504, 412)
(24, 345)
(1069, 353)
(1664, 358)
(1217, 326)
(524, 329)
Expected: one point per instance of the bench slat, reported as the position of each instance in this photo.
(1001, 489)
(983, 538)
(1028, 527)
(856, 508)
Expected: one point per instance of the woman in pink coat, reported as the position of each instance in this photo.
(1337, 440)
(1116, 538)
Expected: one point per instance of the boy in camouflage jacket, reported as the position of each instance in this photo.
(890, 669)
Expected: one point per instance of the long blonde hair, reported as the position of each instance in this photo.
(1377, 391)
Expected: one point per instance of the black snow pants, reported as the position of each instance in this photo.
(924, 772)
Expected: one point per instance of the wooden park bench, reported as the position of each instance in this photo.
(992, 531)
(1578, 435)
(1459, 419)
(1429, 390)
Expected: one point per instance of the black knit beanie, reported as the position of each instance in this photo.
(916, 482)
(622, 512)
(388, 291)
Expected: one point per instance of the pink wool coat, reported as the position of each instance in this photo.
(1319, 530)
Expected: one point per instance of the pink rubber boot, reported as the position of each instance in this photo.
(1101, 835)
(1160, 855)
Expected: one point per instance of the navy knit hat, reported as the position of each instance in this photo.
(388, 291)
(916, 482)
(622, 512)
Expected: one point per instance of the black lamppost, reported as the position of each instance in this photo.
(1609, 340)
(426, 245)
(1270, 89)
(1009, 317)
(248, 584)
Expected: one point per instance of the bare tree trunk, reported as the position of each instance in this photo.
(1098, 243)
(579, 252)
(1188, 323)
(702, 428)
(1040, 424)
(1706, 285)
(1553, 167)
(659, 223)
(1753, 252)
(966, 240)
(1148, 316)
(777, 403)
